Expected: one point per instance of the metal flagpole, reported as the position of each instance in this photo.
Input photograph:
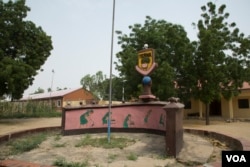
(110, 74)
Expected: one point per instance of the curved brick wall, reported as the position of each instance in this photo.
(127, 117)
(233, 143)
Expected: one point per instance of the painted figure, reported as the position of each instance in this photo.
(85, 118)
(105, 118)
(127, 121)
(162, 120)
(147, 115)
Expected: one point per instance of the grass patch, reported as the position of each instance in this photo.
(56, 143)
(162, 156)
(112, 157)
(115, 142)
(59, 144)
(61, 162)
(57, 137)
(132, 157)
(26, 143)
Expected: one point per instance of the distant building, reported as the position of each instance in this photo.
(62, 98)
(236, 108)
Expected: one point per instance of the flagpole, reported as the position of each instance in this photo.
(110, 74)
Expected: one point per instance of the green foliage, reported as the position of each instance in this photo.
(95, 84)
(27, 110)
(103, 142)
(220, 62)
(98, 84)
(39, 90)
(59, 144)
(26, 144)
(112, 157)
(61, 162)
(24, 48)
(217, 64)
(173, 51)
(221, 59)
(117, 88)
(132, 157)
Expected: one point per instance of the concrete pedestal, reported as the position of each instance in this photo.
(174, 128)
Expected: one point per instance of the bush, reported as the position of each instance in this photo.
(27, 110)
(61, 162)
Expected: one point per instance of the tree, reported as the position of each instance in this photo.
(221, 59)
(24, 48)
(118, 84)
(95, 84)
(173, 50)
(39, 90)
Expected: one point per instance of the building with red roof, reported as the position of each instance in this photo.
(237, 107)
(62, 98)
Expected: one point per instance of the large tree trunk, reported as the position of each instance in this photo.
(207, 114)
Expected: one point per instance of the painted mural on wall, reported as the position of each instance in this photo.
(86, 120)
(151, 117)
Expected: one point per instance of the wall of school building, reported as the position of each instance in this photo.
(236, 108)
(77, 98)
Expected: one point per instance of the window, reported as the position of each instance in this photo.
(188, 105)
(243, 103)
(58, 103)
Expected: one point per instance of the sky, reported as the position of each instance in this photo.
(81, 32)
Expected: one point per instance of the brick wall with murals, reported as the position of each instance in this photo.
(134, 116)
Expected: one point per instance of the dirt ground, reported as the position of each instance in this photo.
(149, 148)
(14, 125)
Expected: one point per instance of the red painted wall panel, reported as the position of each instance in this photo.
(148, 117)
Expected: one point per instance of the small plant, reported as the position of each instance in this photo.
(103, 142)
(59, 144)
(162, 156)
(61, 162)
(111, 157)
(57, 137)
(27, 143)
(132, 157)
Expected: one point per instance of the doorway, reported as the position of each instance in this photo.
(215, 108)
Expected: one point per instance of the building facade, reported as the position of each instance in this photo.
(63, 98)
(237, 107)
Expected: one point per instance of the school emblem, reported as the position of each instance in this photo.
(146, 61)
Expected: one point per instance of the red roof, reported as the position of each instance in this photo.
(245, 85)
(47, 95)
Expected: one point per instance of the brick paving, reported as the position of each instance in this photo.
(237, 130)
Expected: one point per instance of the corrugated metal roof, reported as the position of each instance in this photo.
(47, 95)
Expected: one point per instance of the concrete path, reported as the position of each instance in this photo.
(14, 125)
(238, 129)
(234, 129)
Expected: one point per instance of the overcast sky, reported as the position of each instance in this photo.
(81, 31)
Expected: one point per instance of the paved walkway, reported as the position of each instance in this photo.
(239, 130)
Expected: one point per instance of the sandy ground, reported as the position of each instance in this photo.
(14, 125)
(149, 148)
